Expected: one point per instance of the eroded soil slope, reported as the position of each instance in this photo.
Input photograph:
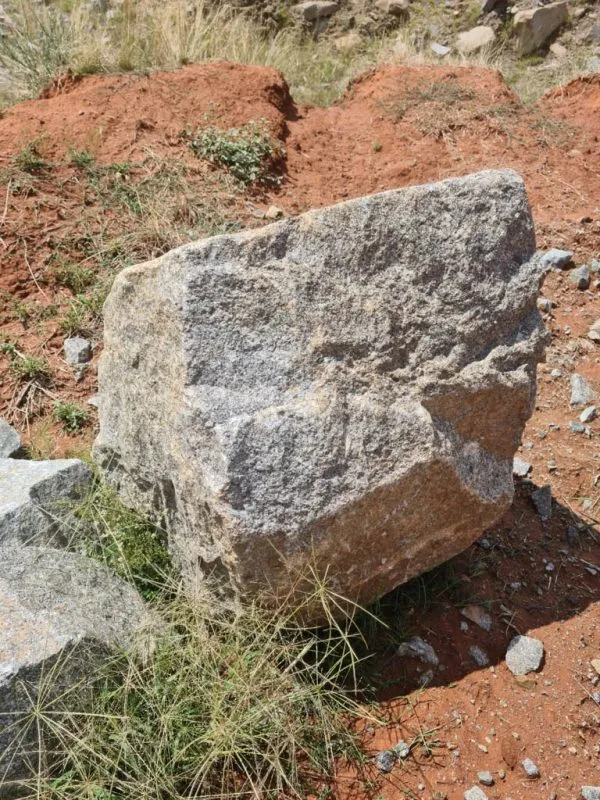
(100, 173)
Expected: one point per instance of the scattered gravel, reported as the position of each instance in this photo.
(524, 655)
(531, 769)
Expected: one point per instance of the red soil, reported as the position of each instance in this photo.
(395, 127)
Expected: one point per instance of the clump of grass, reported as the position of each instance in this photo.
(76, 277)
(228, 702)
(30, 367)
(72, 416)
(248, 152)
(124, 540)
(76, 319)
(29, 158)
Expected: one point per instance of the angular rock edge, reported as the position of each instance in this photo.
(345, 389)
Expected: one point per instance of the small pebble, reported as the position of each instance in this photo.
(544, 305)
(531, 769)
(550, 567)
(479, 656)
(576, 427)
(524, 655)
(464, 626)
(557, 259)
(521, 468)
(77, 350)
(580, 277)
(556, 373)
(588, 414)
(486, 778)
(419, 648)
(475, 793)
(385, 760)
(402, 749)
(477, 615)
(542, 500)
(590, 792)
(581, 391)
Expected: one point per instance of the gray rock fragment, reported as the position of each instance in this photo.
(544, 305)
(524, 655)
(594, 332)
(385, 760)
(419, 648)
(402, 749)
(581, 391)
(265, 398)
(486, 778)
(59, 614)
(35, 499)
(521, 468)
(576, 427)
(534, 26)
(77, 350)
(479, 656)
(531, 769)
(556, 373)
(475, 793)
(476, 39)
(542, 500)
(580, 277)
(588, 414)
(557, 259)
(440, 50)
(590, 792)
(10, 441)
(313, 10)
(478, 615)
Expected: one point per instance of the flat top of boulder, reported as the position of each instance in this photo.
(10, 441)
(24, 480)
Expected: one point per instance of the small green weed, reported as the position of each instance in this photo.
(29, 159)
(30, 367)
(75, 277)
(76, 319)
(249, 152)
(82, 159)
(72, 416)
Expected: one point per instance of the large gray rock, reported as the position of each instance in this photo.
(36, 498)
(475, 39)
(346, 388)
(10, 441)
(59, 614)
(534, 26)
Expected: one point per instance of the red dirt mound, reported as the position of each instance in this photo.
(119, 118)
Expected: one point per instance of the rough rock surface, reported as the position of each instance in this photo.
(58, 610)
(524, 655)
(534, 26)
(33, 498)
(345, 389)
(10, 441)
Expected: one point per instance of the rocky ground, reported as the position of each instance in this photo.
(100, 173)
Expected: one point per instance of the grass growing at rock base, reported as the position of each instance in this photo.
(220, 701)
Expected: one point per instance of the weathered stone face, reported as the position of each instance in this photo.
(345, 389)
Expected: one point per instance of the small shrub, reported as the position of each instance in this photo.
(82, 159)
(72, 417)
(248, 152)
(75, 277)
(29, 159)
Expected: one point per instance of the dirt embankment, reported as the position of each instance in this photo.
(100, 141)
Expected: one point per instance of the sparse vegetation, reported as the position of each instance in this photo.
(249, 152)
(29, 158)
(72, 416)
(29, 367)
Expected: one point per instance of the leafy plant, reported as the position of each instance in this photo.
(248, 152)
(30, 367)
(72, 416)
